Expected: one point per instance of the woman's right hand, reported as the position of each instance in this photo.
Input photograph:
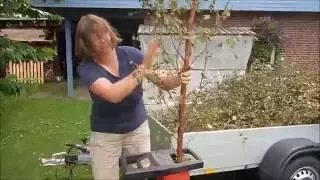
(153, 50)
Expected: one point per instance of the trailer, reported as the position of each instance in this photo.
(279, 152)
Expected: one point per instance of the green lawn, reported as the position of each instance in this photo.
(54, 88)
(37, 127)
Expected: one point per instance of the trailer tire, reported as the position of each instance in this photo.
(307, 167)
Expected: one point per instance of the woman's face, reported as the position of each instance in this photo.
(100, 40)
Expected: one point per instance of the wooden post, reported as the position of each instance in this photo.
(273, 55)
(38, 72)
(186, 66)
(25, 76)
(32, 72)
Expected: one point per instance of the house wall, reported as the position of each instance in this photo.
(302, 32)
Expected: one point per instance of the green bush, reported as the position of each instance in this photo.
(269, 36)
(9, 86)
(15, 51)
(30, 89)
(259, 99)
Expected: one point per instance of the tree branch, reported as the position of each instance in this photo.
(186, 66)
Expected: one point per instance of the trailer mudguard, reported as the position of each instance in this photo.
(280, 154)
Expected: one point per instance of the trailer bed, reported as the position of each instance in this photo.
(234, 149)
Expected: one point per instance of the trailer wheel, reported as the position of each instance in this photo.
(304, 168)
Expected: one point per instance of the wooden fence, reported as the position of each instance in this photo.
(27, 72)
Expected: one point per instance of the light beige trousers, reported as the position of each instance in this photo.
(106, 149)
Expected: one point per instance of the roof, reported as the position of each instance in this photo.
(123, 4)
(236, 5)
(230, 31)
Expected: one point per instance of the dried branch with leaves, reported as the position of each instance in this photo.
(183, 23)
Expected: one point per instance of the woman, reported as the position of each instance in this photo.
(113, 75)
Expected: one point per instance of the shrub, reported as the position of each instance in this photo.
(9, 86)
(259, 99)
(269, 36)
(15, 51)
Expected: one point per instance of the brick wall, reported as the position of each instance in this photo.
(302, 32)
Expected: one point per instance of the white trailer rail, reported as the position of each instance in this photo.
(229, 150)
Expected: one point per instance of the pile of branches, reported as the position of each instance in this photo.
(261, 98)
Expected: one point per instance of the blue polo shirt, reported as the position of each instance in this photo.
(110, 117)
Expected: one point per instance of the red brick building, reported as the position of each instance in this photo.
(302, 31)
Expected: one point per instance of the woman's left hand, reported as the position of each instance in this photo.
(185, 77)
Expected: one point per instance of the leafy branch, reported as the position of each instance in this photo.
(22, 8)
(183, 23)
(261, 98)
(15, 51)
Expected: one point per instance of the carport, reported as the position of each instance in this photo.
(125, 16)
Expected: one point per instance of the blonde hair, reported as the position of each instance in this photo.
(85, 27)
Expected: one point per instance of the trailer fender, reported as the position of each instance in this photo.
(281, 153)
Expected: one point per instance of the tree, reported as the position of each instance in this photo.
(22, 8)
(184, 21)
(17, 51)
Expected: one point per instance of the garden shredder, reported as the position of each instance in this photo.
(158, 165)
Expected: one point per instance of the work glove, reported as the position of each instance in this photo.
(185, 77)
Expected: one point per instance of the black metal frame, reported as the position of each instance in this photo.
(162, 163)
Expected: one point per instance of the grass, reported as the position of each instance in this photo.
(37, 127)
(60, 89)
(54, 88)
